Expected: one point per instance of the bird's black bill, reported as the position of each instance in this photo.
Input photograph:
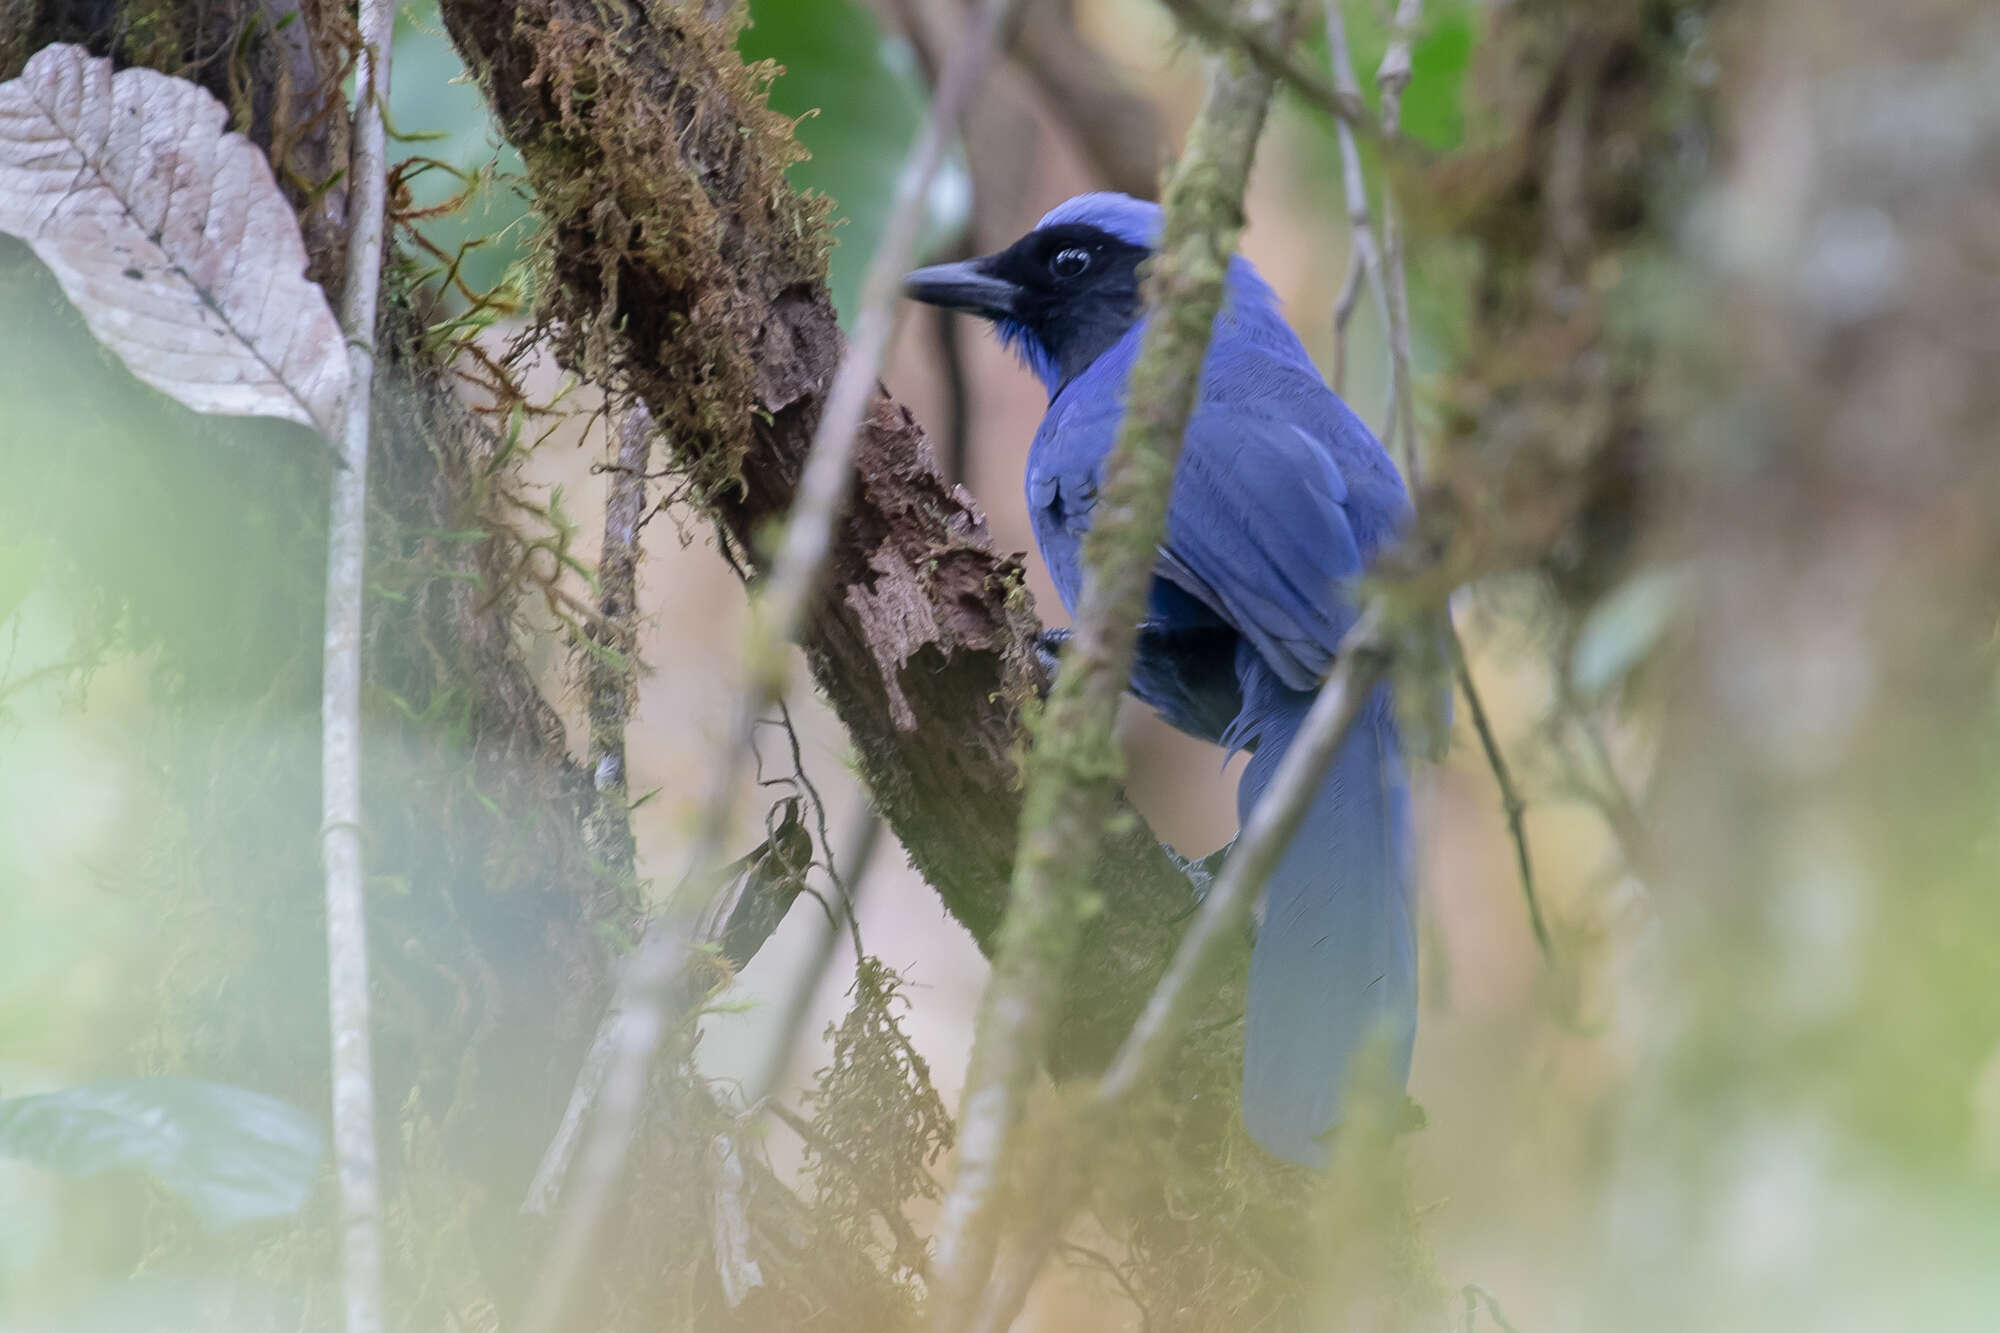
(962, 286)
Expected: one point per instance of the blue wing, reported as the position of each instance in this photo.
(1281, 496)
(1259, 533)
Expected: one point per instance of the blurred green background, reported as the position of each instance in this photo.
(1758, 1088)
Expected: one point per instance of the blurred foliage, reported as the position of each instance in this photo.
(1440, 57)
(157, 700)
(439, 113)
(1622, 630)
(1761, 1090)
(860, 102)
(232, 1154)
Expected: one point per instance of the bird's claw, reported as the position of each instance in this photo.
(1201, 873)
(1049, 644)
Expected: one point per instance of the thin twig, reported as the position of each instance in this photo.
(749, 901)
(1275, 58)
(1360, 660)
(1365, 266)
(1343, 312)
(356, 1167)
(1510, 796)
(1392, 77)
(1103, 1263)
(546, 1187)
(608, 673)
(1474, 1293)
(29, 679)
(800, 778)
(777, 616)
(1070, 787)
(957, 395)
(608, 695)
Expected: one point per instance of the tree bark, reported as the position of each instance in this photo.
(689, 273)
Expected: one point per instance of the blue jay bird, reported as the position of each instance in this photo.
(1281, 498)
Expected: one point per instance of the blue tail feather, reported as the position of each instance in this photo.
(1335, 963)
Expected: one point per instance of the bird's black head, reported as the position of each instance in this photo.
(1061, 296)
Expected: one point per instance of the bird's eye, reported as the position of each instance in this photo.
(1068, 263)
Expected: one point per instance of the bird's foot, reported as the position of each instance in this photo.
(1201, 873)
(1049, 644)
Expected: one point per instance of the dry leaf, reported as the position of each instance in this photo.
(169, 235)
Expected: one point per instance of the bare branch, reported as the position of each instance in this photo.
(1343, 311)
(957, 452)
(729, 1223)
(1400, 423)
(340, 707)
(777, 617)
(1365, 267)
(1510, 796)
(1362, 658)
(1392, 76)
(608, 695)
(608, 669)
(1071, 778)
(546, 1186)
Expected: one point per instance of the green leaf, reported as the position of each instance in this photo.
(1434, 103)
(863, 106)
(234, 1155)
(1623, 628)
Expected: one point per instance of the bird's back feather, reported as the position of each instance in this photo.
(1281, 498)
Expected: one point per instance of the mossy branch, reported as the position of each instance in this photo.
(1074, 770)
(684, 269)
(1065, 1176)
(781, 605)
